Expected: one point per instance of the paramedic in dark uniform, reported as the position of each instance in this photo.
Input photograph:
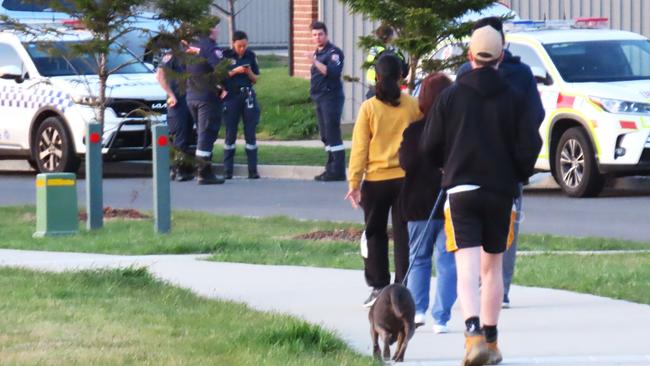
(327, 93)
(241, 102)
(170, 75)
(204, 102)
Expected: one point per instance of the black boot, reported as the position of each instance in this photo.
(335, 171)
(320, 176)
(251, 156)
(185, 167)
(228, 162)
(205, 173)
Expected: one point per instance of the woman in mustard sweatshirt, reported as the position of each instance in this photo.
(375, 177)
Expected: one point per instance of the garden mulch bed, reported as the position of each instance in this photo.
(119, 213)
(350, 234)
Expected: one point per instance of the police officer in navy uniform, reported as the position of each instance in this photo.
(241, 101)
(203, 100)
(171, 76)
(327, 93)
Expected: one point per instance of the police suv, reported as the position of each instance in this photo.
(46, 99)
(595, 86)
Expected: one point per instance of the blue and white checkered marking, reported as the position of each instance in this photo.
(11, 96)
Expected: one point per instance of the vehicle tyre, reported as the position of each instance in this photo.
(575, 165)
(53, 149)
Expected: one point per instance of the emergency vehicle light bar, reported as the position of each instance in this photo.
(533, 25)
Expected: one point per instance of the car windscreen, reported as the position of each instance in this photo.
(601, 61)
(37, 5)
(57, 59)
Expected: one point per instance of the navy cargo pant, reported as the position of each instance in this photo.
(328, 112)
(181, 125)
(241, 105)
(207, 116)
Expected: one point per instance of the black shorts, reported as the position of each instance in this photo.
(479, 218)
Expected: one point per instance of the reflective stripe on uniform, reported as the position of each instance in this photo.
(229, 147)
(336, 148)
(203, 154)
(251, 147)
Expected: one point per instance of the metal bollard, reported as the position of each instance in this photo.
(94, 169)
(56, 204)
(161, 186)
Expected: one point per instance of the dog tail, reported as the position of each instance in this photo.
(397, 298)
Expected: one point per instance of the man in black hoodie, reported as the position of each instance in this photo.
(475, 134)
(521, 78)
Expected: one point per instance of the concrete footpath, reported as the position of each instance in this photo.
(544, 327)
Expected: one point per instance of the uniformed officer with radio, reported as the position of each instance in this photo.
(171, 76)
(203, 101)
(241, 102)
(327, 93)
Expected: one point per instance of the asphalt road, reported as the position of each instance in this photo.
(620, 213)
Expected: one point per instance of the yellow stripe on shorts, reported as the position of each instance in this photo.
(449, 230)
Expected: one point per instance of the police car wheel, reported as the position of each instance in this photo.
(575, 165)
(53, 150)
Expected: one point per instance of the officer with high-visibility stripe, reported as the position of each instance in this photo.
(327, 93)
(203, 101)
(170, 75)
(385, 34)
(241, 102)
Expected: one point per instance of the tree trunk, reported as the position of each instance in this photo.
(231, 20)
(103, 78)
(413, 66)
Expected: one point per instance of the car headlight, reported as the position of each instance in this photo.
(621, 106)
(85, 100)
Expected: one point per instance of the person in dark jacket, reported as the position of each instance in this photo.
(476, 133)
(521, 78)
(426, 238)
(241, 102)
(326, 90)
(203, 101)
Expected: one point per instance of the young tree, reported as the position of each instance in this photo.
(230, 12)
(420, 25)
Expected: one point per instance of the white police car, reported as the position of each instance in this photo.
(46, 97)
(595, 87)
(137, 41)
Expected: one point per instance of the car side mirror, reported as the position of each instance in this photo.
(11, 72)
(541, 76)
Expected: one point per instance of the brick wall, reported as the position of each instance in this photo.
(304, 13)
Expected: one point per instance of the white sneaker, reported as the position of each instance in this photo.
(440, 328)
(505, 305)
(420, 319)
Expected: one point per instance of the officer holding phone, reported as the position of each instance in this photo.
(240, 101)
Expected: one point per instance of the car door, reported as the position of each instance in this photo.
(14, 121)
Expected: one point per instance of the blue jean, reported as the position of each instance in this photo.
(510, 255)
(432, 237)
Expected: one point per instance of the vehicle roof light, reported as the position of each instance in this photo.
(533, 25)
(74, 23)
(592, 23)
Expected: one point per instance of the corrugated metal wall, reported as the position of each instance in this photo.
(630, 15)
(345, 29)
(265, 21)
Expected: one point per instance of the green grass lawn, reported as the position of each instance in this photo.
(270, 241)
(280, 155)
(127, 318)
(287, 110)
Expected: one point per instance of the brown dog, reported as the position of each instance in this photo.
(392, 317)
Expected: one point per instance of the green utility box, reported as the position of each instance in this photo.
(56, 204)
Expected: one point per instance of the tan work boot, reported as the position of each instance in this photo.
(476, 350)
(495, 356)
